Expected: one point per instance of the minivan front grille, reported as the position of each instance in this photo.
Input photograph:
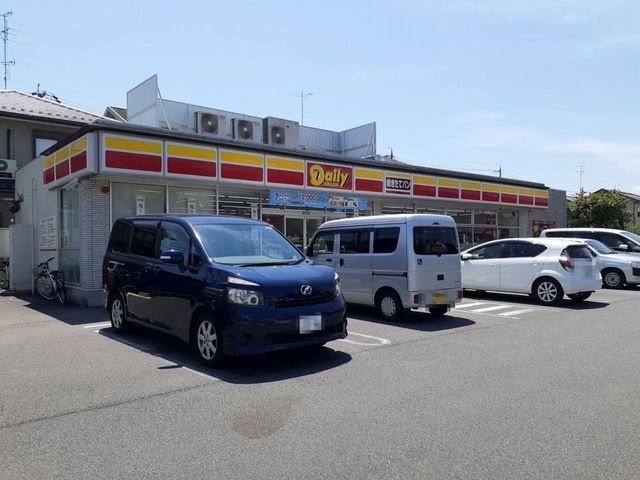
(302, 301)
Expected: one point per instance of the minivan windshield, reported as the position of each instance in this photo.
(247, 245)
(600, 247)
(435, 240)
(633, 236)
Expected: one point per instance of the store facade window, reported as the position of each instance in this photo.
(129, 199)
(69, 242)
(192, 200)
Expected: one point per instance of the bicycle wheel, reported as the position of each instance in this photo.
(44, 285)
(4, 279)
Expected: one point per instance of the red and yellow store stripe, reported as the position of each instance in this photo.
(470, 190)
(49, 169)
(78, 155)
(62, 163)
(424, 186)
(240, 165)
(192, 160)
(448, 188)
(126, 153)
(508, 194)
(525, 196)
(490, 192)
(541, 198)
(285, 171)
(368, 180)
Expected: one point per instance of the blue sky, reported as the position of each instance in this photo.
(539, 87)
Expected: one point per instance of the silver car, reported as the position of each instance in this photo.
(617, 269)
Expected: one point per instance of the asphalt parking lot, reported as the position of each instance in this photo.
(500, 388)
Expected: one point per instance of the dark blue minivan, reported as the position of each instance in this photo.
(228, 286)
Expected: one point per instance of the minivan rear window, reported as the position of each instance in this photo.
(120, 237)
(435, 240)
(143, 242)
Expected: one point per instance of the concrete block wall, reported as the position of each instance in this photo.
(94, 235)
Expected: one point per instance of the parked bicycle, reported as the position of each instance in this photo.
(50, 283)
(4, 273)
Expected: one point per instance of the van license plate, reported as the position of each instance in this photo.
(310, 323)
(439, 298)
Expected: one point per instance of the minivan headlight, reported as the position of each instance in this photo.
(336, 284)
(243, 296)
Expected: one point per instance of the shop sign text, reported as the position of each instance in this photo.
(396, 183)
(329, 176)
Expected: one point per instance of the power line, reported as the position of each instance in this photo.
(5, 35)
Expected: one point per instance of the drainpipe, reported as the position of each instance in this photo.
(34, 200)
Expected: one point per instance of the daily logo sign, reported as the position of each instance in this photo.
(329, 176)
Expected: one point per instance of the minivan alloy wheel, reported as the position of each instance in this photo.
(207, 340)
(117, 313)
(612, 279)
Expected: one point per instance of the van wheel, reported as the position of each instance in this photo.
(118, 314)
(207, 340)
(438, 311)
(613, 278)
(389, 305)
(547, 291)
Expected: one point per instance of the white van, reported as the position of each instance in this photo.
(394, 262)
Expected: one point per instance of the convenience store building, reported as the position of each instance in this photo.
(107, 170)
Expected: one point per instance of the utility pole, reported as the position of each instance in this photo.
(498, 171)
(5, 36)
(581, 172)
(302, 96)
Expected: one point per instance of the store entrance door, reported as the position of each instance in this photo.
(298, 225)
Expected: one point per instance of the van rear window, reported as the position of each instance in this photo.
(385, 240)
(435, 240)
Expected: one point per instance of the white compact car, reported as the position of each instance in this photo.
(546, 268)
(617, 269)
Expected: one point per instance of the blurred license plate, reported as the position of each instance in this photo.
(310, 323)
(439, 298)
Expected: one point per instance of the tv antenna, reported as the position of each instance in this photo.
(5, 37)
(302, 96)
(498, 170)
(581, 171)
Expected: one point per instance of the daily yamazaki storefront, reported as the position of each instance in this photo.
(107, 171)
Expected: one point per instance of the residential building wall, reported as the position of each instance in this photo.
(17, 138)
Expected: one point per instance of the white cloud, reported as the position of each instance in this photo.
(623, 154)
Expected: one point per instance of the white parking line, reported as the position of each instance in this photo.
(97, 325)
(379, 341)
(516, 312)
(469, 305)
(490, 309)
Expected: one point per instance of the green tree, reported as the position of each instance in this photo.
(603, 209)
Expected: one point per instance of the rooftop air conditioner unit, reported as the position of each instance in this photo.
(246, 129)
(210, 124)
(8, 166)
(280, 132)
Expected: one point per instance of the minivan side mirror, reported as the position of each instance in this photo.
(623, 247)
(173, 257)
(466, 256)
